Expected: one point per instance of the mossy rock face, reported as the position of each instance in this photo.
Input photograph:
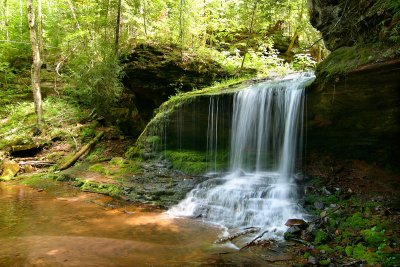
(344, 22)
(180, 128)
(153, 74)
(356, 115)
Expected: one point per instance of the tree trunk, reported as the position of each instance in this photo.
(106, 21)
(117, 27)
(71, 6)
(144, 18)
(292, 41)
(6, 20)
(36, 63)
(82, 151)
(20, 20)
(250, 33)
(40, 31)
(181, 30)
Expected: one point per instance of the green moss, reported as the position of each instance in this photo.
(320, 237)
(356, 221)
(361, 252)
(152, 139)
(96, 154)
(116, 167)
(339, 248)
(88, 132)
(325, 262)
(190, 162)
(118, 161)
(106, 189)
(373, 236)
(325, 248)
(38, 180)
(349, 251)
(288, 236)
(133, 166)
(97, 168)
(345, 59)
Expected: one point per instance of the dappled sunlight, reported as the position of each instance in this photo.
(160, 221)
(87, 229)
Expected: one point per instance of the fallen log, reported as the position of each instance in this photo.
(253, 242)
(247, 231)
(82, 151)
(36, 163)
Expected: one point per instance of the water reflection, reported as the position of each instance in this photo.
(80, 229)
(65, 227)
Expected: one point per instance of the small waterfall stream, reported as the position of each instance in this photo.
(265, 156)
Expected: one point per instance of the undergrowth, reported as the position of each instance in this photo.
(351, 227)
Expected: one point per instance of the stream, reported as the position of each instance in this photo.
(62, 226)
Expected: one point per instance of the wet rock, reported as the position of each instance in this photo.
(28, 169)
(319, 205)
(294, 230)
(297, 222)
(306, 236)
(10, 169)
(326, 191)
(312, 260)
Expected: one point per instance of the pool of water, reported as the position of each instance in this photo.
(61, 226)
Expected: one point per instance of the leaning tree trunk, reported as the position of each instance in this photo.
(36, 63)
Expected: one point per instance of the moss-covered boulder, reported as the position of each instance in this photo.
(10, 168)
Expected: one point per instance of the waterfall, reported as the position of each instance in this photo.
(265, 156)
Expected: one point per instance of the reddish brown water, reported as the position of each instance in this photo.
(65, 227)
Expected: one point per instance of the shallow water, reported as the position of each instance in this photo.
(64, 227)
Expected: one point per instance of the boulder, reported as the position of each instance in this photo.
(10, 169)
(297, 222)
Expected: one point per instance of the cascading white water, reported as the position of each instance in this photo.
(266, 134)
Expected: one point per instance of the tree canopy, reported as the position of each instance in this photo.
(83, 41)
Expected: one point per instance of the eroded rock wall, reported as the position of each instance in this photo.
(346, 22)
(354, 104)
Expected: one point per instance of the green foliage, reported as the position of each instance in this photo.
(320, 237)
(361, 252)
(96, 154)
(303, 62)
(356, 221)
(358, 234)
(394, 34)
(106, 189)
(88, 132)
(373, 236)
(325, 262)
(95, 80)
(349, 251)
